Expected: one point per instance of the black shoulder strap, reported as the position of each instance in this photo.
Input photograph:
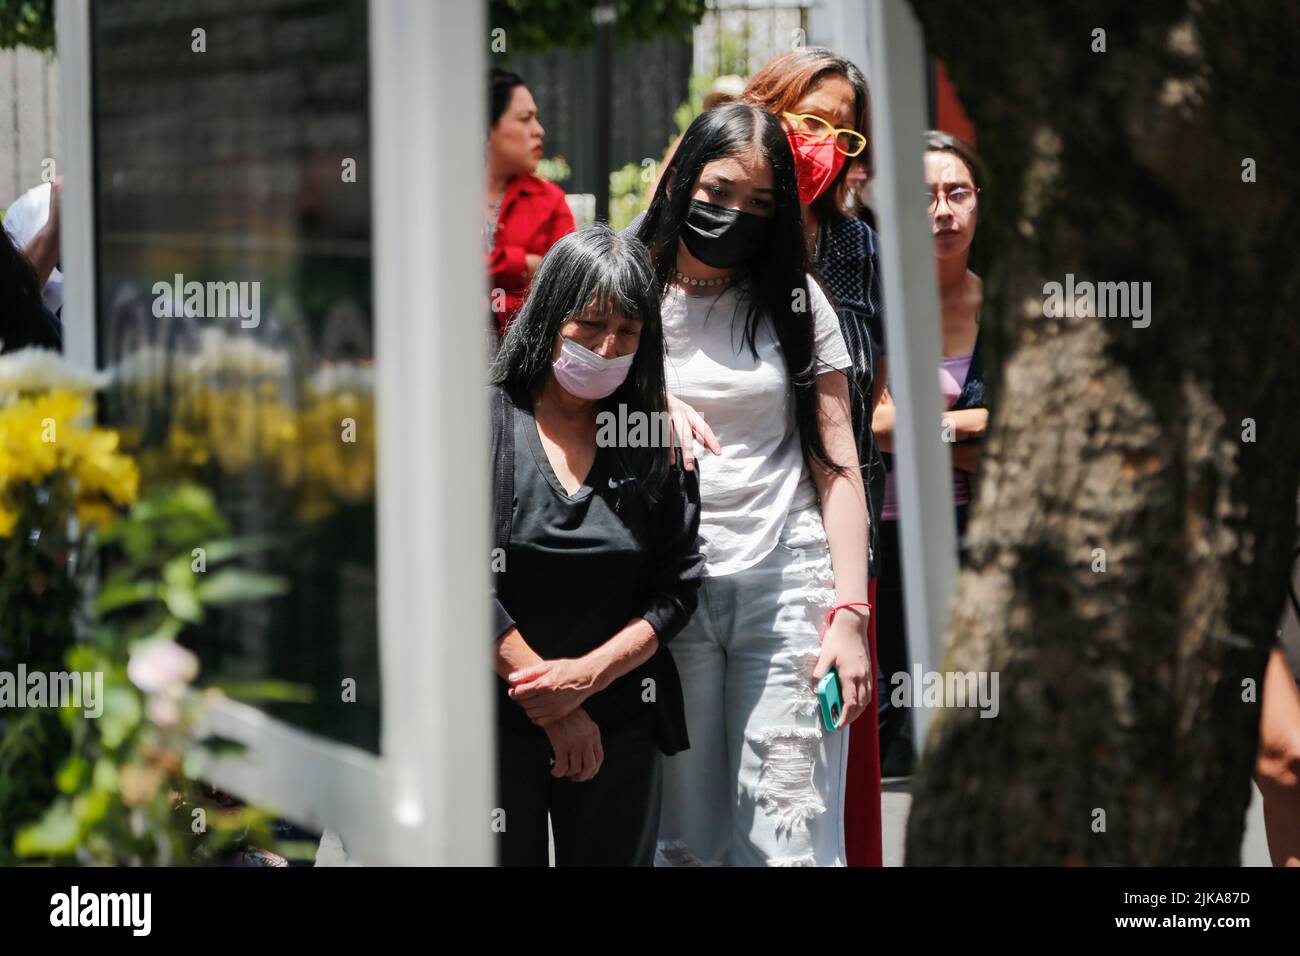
(503, 467)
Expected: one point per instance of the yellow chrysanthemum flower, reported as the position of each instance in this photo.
(48, 437)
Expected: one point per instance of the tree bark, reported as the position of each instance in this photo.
(1127, 728)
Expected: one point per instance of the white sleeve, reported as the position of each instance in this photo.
(15, 222)
(829, 346)
(26, 216)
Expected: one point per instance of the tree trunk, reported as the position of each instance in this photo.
(1129, 697)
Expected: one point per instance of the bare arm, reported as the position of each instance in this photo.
(550, 690)
(844, 513)
(513, 654)
(575, 738)
(43, 249)
(968, 428)
(967, 423)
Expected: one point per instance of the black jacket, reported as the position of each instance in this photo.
(671, 587)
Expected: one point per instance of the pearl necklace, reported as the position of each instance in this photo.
(701, 283)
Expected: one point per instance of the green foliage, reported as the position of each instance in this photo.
(537, 25)
(27, 23)
(731, 58)
(628, 192)
(554, 169)
(697, 87)
(120, 788)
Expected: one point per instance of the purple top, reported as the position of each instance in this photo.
(952, 376)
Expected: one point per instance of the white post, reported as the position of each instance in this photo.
(77, 209)
(922, 462)
(427, 69)
(846, 21)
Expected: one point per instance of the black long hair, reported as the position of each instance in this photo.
(501, 87)
(593, 267)
(777, 277)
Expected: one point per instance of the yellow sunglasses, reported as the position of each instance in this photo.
(847, 141)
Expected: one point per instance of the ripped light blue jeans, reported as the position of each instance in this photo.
(762, 783)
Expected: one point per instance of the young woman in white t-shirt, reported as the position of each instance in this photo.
(754, 347)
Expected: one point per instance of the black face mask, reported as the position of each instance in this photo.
(721, 237)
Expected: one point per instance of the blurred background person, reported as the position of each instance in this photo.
(824, 105)
(24, 318)
(954, 176)
(857, 189)
(523, 214)
(32, 221)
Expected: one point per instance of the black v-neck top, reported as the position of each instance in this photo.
(574, 569)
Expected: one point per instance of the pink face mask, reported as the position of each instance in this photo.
(815, 165)
(584, 374)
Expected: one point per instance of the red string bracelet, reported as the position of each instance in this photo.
(830, 615)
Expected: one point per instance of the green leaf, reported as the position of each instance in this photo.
(82, 658)
(92, 807)
(233, 586)
(72, 774)
(183, 602)
(55, 834)
(137, 540)
(168, 630)
(122, 713)
(120, 594)
(226, 548)
(177, 573)
(105, 776)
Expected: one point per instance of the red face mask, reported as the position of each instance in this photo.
(815, 165)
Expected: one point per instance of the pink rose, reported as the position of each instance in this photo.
(160, 663)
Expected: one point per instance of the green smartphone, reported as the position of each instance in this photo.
(828, 695)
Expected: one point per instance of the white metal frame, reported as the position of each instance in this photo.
(77, 210)
(896, 66)
(427, 798)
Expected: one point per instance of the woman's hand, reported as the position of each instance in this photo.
(846, 648)
(575, 739)
(686, 421)
(551, 690)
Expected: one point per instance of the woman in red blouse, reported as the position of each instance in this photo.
(524, 215)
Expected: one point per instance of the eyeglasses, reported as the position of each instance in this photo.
(959, 198)
(815, 129)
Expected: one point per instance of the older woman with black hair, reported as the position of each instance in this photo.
(597, 563)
